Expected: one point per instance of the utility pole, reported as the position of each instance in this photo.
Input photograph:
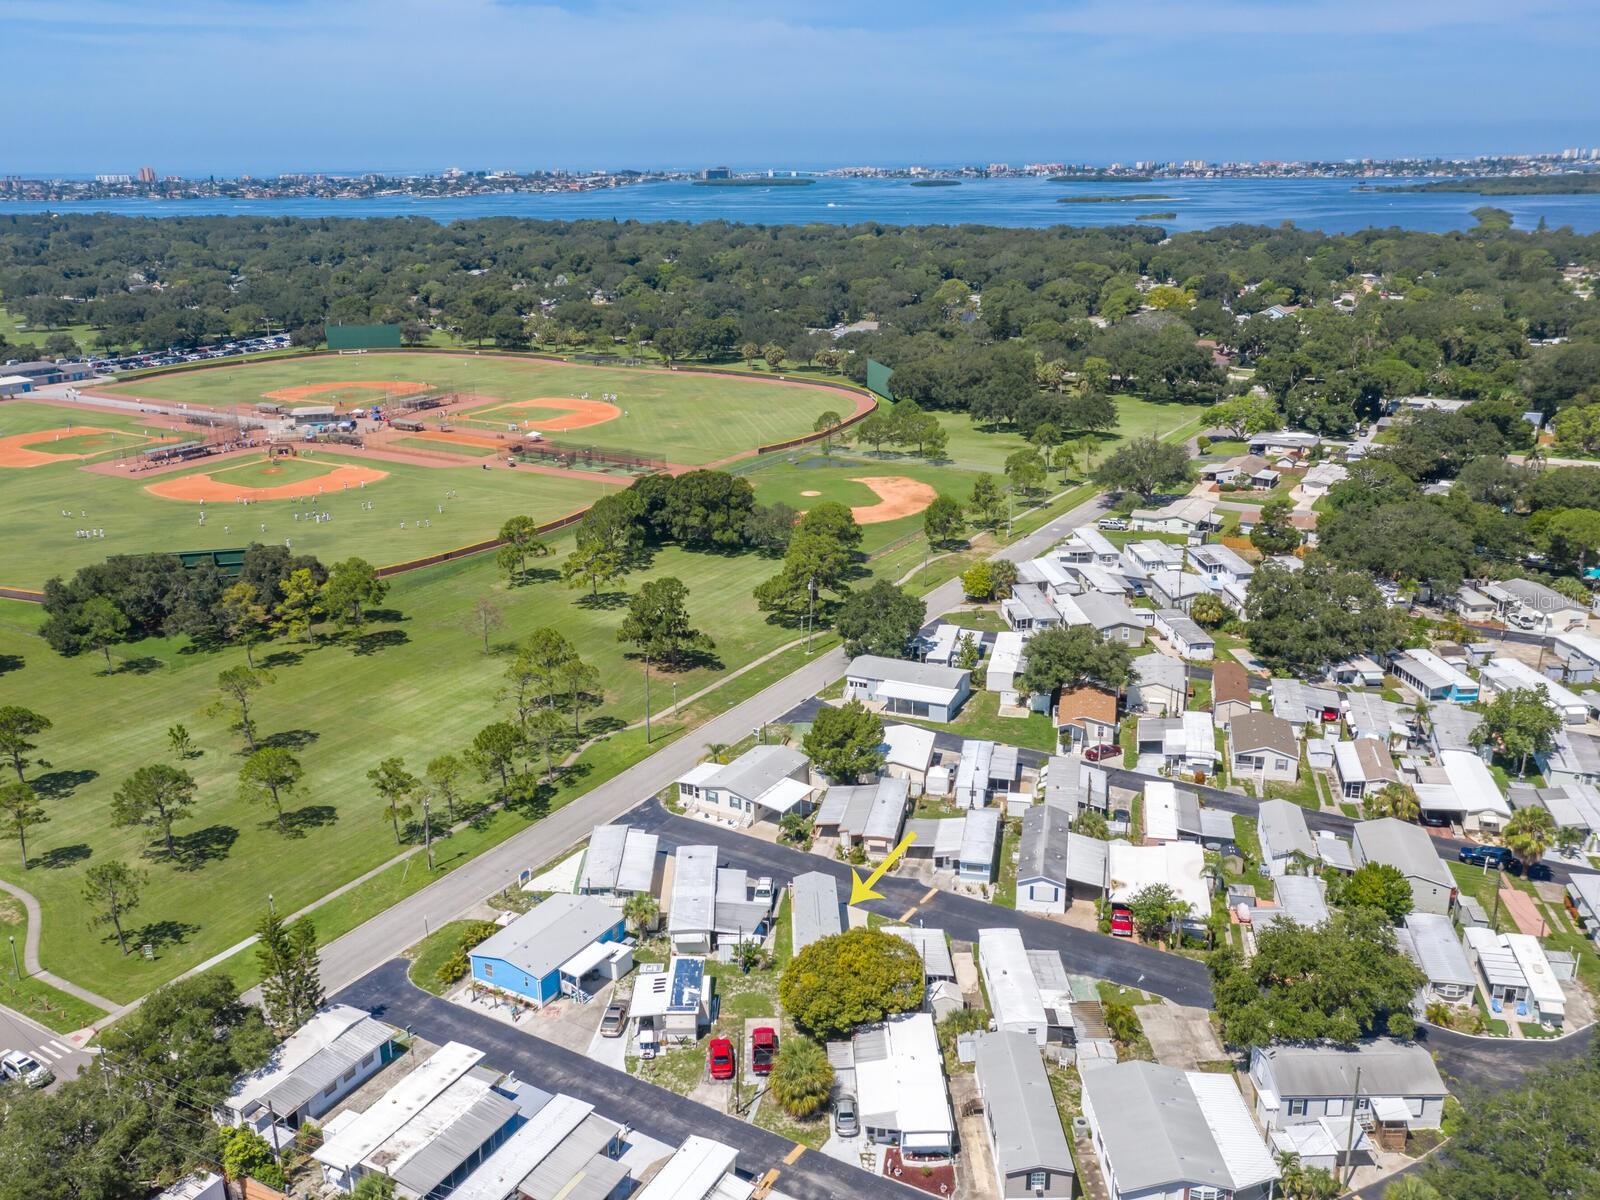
(811, 617)
(646, 699)
(1350, 1133)
(427, 831)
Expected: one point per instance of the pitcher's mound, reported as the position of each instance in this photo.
(811, 493)
(898, 496)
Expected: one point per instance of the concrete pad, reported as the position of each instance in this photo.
(1179, 1036)
(1524, 912)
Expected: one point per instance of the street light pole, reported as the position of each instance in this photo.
(647, 700)
(16, 967)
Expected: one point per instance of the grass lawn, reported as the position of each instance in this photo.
(812, 1132)
(683, 417)
(1245, 836)
(84, 335)
(1005, 890)
(837, 477)
(983, 620)
(417, 685)
(33, 997)
(1483, 886)
(431, 953)
(1115, 993)
(980, 718)
(1303, 791)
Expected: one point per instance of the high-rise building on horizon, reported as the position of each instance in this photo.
(147, 174)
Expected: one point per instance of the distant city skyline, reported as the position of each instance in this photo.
(195, 87)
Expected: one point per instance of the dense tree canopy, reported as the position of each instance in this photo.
(1303, 621)
(1343, 980)
(850, 979)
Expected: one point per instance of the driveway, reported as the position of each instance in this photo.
(1180, 1036)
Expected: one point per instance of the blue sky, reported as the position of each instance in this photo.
(270, 85)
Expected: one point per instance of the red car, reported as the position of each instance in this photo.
(1121, 923)
(1101, 752)
(720, 1058)
(763, 1049)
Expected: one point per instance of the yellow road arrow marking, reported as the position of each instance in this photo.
(861, 889)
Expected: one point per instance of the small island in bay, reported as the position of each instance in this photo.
(1575, 184)
(936, 183)
(1157, 216)
(775, 181)
(1102, 199)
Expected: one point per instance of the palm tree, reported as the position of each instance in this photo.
(1528, 834)
(641, 911)
(1411, 1187)
(1393, 800)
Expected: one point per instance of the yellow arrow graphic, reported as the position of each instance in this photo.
(861, 889)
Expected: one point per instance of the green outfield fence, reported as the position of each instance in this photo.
(363, 337)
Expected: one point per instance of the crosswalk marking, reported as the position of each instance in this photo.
(52, 1050)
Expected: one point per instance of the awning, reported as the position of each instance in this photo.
(784, 795)
(590, 957)
(925, 1143)
(1391, 1109)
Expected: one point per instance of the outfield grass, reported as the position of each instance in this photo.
(682, 416)
(981, 447)
(835, 477)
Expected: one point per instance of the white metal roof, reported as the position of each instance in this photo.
(546, 936)
(978, 837)
(1176, 864)
(692, 1172)
(1233, 1131)
(1506, 674)
(907, 1083)
(909, 746)
(1438, 950)
(1013, 992)
(1543, 986)
(1435, 672)
(1160, 811)
(358, 1140)
(694, 889)
(320, 1037)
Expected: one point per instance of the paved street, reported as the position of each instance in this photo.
(386, 935)
(1182, 980)
(643, 1106)
(17, 1032)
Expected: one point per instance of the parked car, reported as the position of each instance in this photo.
(24, 1068)
(719, 1058)
(1121, 923)
(1113, 524)
(846, 1119)
(1538, 871)
(1487, 856)
(615, 1020)
(1101, 752)
(763, 1049)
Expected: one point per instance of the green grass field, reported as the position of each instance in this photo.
(91, 444)
(681, 416)
(416, 685)
(84, 335)
(834, 477)
(41, 542)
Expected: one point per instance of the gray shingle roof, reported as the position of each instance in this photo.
(1406, 847)
(873, 666)
(1388, 1068)
(1256, 730)
(1043, 849)
(1021, 1108)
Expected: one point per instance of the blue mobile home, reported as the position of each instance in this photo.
(526, 957)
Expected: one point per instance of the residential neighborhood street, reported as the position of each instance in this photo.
(387, 994)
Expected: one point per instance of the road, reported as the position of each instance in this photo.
(1083, 952)
(666, 1116)
(382, 938)
(17, 1032)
